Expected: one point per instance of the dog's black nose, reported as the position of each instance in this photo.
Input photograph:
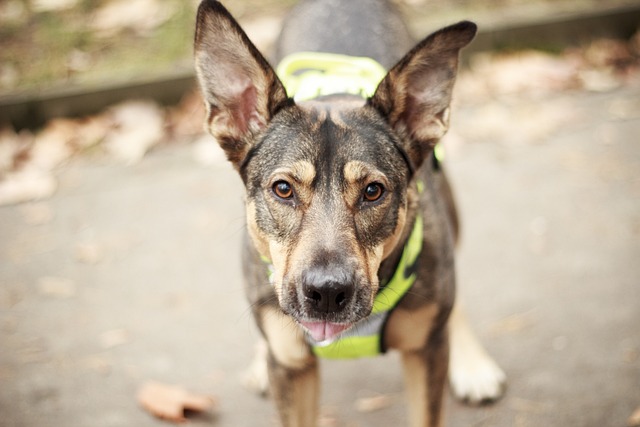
(327, 290)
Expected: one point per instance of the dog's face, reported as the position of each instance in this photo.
(326, 180)
(326, 202)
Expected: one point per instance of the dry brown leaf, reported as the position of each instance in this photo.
(599, 80)
(91, 131)
(139, 126)
(634, 419)
(514, 323)
(374, 403)
(169, 402)
(188, 117)
(26, 185)
(52, 146)
(526, 72)
(88, 253)
(608, 53)
(13, 148)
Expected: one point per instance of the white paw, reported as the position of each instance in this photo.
(256, 377)
(476, 378)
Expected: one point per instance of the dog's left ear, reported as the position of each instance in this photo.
(242, 92)
(415, 95)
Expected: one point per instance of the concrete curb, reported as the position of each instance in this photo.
(32, 109)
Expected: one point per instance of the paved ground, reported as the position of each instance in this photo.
(132, 273)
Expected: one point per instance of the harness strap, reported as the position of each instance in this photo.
(307, 75)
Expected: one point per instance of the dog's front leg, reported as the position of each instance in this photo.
(295, 391)
(293, 370)
(425, 375)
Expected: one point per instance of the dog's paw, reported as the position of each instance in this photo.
(476, 379)
(256, 377)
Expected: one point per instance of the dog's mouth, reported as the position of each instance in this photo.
(323, 331)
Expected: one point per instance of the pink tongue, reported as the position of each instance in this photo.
(322, 331)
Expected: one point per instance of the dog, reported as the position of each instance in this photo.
(351, 224)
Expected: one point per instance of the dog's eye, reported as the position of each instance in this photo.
(373, 192)
(283, 190)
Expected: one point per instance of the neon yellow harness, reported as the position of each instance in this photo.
(308, 75)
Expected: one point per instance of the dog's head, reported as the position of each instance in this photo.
(327, 181)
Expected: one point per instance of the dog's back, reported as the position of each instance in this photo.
(369, 28)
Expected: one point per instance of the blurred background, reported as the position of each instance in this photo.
(120, 220)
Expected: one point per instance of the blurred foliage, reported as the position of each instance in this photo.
(51, 42)
(61, 41)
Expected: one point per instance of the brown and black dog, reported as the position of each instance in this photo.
(335, 188)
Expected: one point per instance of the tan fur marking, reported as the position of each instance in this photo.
(304, 390)
(358, 174)
(259, 239)
(278, 257)
(392, 241)
(415, 377)
(302, 172)
(286, 339)
(416, 380)
(301, 175)
(408, 330)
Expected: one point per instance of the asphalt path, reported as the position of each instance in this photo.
(131, 273)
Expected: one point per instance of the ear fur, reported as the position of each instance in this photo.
(241, 91)
(415, 95)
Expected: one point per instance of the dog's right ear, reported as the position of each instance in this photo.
(241, 91)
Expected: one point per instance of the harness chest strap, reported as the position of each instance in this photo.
(307, 75)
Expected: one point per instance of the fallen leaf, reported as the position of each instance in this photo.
(91, 131)
(52, 146)
(525, 72)
(634, 419)
(139, 125)
(374, 403)
(88, 253)
(608, 52)
(188, 117)
(514, 323)
(169, 402)
(26, 185)
(56, 287)
(13, 148)
(599, 80)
